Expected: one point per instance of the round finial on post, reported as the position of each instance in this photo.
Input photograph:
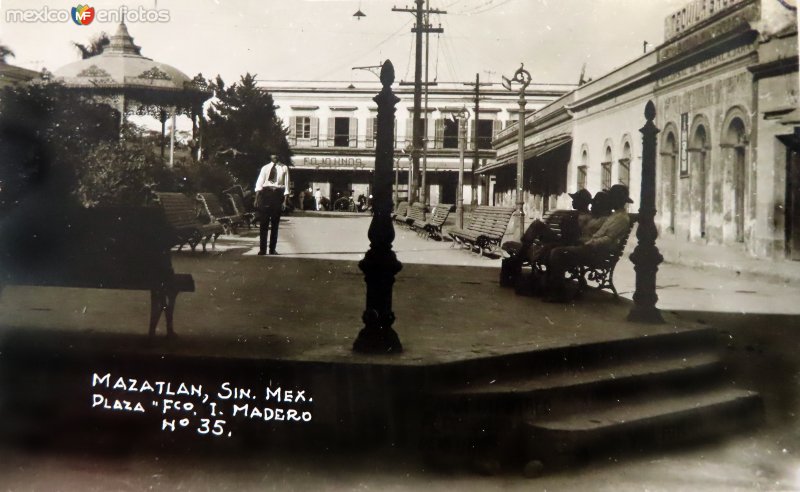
(387, 73)
(650, 111)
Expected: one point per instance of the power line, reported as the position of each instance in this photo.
(350, 61)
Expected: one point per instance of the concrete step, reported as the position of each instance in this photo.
(639, 423)
(569, 358)
(599, 377)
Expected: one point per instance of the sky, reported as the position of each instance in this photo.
(320, 40)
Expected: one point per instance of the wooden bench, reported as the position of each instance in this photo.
(212, 208)
(399, 213)
(559, 222)
(185, 227)
(236, 196)
(433, 226)
(416, 213)
(104, 248)
(485, 230)
(600, 271)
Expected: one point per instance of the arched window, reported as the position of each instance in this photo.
(583, 169)
(605, 169)
(624, 174)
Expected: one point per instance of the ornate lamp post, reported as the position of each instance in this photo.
(380, 263)
(463, 116)
(522, 77)
(645, 256)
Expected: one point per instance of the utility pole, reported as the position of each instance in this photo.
(421, 26)
(476, 155)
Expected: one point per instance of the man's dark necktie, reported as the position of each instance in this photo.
(273, 174)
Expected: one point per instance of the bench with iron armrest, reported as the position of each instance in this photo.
(103, 248)
(485, 230)
(237, 204)
(399, 214)
(212, 208)
(600, 271)
(433, 226)
(416, 214)
(559, 222)
(185, 227)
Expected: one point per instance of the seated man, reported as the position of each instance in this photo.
(540, 232)
(599, 245)
(601, 209)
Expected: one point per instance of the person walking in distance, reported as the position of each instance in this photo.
(318, 199)
(273, 184)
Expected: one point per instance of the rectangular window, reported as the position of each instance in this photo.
(303, 127)
(341, 132)
(485, 132)
(605, 181)
(581, 177)
(625, 171)
(450, 137)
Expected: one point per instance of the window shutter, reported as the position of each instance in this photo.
(331, 128)
(497, 125)
(438, 138)
(315, 131)
(371, 124)
(395, 132)
(293, 130)
(353, 138)
(409, 130)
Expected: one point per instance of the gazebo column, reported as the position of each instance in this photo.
(172, 140)
(123, 109)
(162, 116)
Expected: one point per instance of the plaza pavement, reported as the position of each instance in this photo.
(306, 305)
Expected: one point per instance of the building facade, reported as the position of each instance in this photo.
(332, 129)
(725, 86)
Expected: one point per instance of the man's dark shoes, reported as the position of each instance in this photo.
(273, 252)
(262, 253)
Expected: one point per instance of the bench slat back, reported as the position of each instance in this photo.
(237, 203)
(401, 209)
(179, 209)
(490, 221)
(212, 205)
(416, 212)
(440, 214)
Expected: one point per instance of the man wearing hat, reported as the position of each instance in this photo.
(539, 232)
(598, 246)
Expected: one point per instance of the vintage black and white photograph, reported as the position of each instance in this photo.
(335, 245)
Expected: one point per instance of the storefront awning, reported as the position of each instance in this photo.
(540, 148)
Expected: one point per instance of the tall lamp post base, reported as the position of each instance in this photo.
(380, 267)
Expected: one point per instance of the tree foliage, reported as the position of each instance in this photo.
(5, 53)
(243, 129)
(46, 131)
(94, 47)
(122, 171)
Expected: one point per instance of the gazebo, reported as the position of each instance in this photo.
(137, 85)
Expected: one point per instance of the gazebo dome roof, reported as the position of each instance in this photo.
(121, 66)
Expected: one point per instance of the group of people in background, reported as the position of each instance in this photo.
(591, 233)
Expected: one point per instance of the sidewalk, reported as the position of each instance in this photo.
(709, 256)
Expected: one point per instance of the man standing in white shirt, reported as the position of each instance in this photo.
(273, 183)
(318, 199)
